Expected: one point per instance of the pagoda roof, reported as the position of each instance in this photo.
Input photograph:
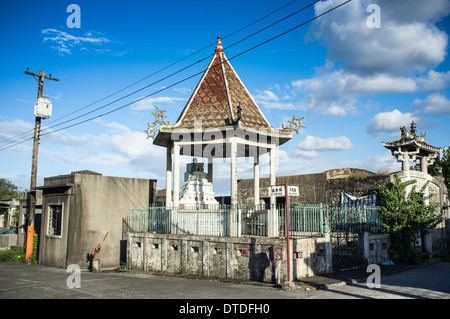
(411, 142)
(221, 101)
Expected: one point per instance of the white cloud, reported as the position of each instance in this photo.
(271, 100)
(311, 145)
(305, 154)
(278, 105)
(14, 128)
(383, 162)
(434, 81)
(401, 46)
(266, 95)
(362, 62)
(380, 83)
(117, 148)
(389, 122)
(64, 42)
(336, 92)
(326, 144)
(182, 90)
(149, 103)
(414, 11)
(16, 131)
(433, 104)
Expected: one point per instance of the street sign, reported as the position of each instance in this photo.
(293, 190)
(280, 190)
(285, 190)
(277, 190)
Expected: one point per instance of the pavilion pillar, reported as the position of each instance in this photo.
(234, 212)
(233, 171)
(210, 169)
(424, 164)
(176, 175)
(272, 171)
(169, 176)
(405, 163)
(272, 227)
(256, 179)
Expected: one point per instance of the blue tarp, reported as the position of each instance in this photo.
(349, 200)
(5, 231)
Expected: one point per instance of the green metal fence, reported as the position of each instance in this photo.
(200, 221)
(305, 220)
(149, 219)
(212, 221)
(355, 219)
(253, 220)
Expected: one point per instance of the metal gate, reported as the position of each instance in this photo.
(347, 225)
(346, 250)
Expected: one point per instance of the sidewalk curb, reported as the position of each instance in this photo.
(341, 283)
(333, 280)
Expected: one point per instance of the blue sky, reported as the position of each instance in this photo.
(355, 85)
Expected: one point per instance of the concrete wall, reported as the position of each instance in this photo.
(8, 240)
(93, 205)
(375, 247)
(229, 257)
(53, 249)
(7, 209)
(323, 187)
(438, 240)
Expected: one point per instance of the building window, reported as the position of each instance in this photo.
(55, 220)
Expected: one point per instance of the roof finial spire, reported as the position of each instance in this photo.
(413, 128)
(219, 47)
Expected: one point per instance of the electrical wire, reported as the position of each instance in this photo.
(179, 71)
(152, 74)
(201, 72)
(192, 76)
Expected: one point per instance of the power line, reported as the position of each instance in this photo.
(150, 75)
(197, 62)
(180, 60)
(20, 142)
(201, 72)
(174, 73)
(16, 136)
(194, 75)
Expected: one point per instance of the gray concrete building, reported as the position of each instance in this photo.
(80, 209)
(327, 187)
(8, 208)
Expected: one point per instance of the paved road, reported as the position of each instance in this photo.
(429, 281)
(22, 281)
(18, 281)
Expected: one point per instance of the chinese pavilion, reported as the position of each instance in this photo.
(411, 146)
(220, 120)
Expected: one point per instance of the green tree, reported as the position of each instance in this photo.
(441, 166)
(8, 189)
(406, 215)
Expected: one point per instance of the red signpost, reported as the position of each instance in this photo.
(293, 192)
(287, 232)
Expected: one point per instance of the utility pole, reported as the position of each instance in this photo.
(37, 130)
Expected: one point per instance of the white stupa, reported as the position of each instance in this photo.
(196, 191)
